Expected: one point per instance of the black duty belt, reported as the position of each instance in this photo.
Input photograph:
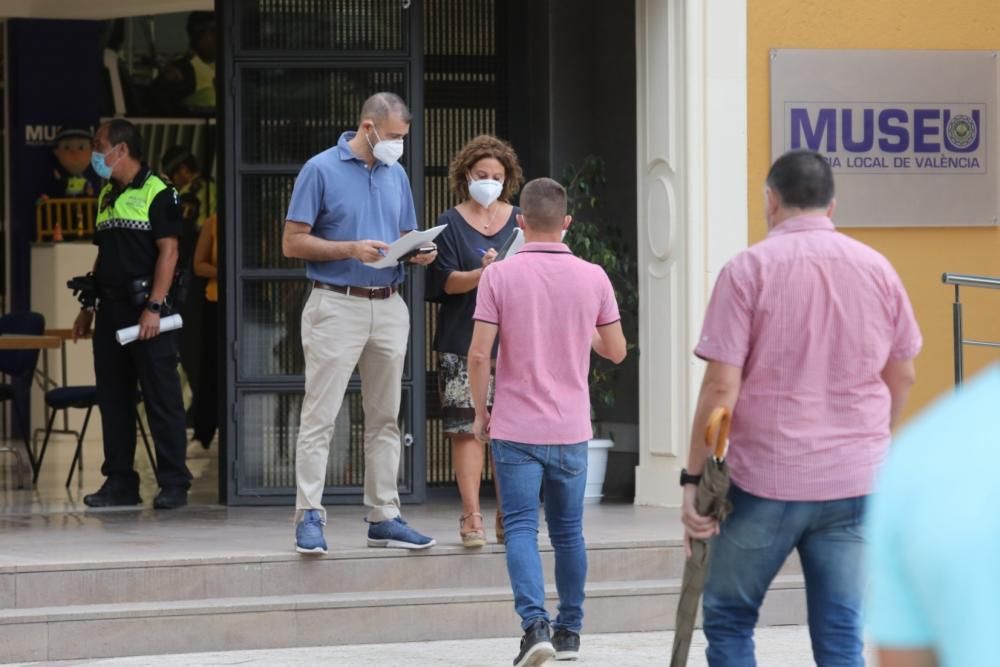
(114, 293)
(363, 292)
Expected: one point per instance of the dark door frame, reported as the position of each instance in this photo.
(231, 61)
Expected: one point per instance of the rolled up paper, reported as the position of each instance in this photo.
(129, 334)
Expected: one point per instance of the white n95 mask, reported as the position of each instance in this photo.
(388, 151)
(485, 191)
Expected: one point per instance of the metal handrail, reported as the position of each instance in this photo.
(966, 280)
(969, 280)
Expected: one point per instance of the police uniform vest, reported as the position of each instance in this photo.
(76, 186)
(131, 209)
(203, 96)
(130, 221)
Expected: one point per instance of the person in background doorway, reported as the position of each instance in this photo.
(197, 196)
(484, 176)
(934, 587)
(810, 339)
(196, 190)
(206, 400)
(187, 85)
(348, 204)
(549, 309)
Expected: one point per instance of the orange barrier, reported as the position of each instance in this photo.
(65, 218)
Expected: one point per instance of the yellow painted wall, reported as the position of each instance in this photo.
(919, 255)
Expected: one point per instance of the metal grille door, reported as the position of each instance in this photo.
(296, 74)
(464, 80)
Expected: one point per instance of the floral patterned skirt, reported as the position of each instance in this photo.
(457, 410)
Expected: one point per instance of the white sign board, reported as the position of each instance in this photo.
(911, 135)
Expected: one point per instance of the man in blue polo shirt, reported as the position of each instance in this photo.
(933, 540)
(349, 203)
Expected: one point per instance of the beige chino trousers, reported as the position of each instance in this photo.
(340, 332)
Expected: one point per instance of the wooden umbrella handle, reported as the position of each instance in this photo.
(717, 432)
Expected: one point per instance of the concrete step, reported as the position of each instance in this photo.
(71, 632)
(29, 586)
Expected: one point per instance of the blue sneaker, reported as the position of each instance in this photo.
(396, 534)
(309, 534)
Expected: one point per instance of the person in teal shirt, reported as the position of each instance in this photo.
(934, 539)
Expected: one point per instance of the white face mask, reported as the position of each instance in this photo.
(387, 152)
(485, 191)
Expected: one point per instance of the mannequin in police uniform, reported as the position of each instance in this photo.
(137, 229)
(72, 176)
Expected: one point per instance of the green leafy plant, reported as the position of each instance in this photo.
(605, 245)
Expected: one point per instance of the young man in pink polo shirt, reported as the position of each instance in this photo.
(810, 340)
(550, 309)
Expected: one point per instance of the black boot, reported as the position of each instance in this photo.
(171, 498)
(114, 493)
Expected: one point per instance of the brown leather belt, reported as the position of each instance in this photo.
(363, 292)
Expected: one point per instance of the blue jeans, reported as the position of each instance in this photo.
(748, 552)
(523, 471)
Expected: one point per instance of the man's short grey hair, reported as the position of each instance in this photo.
(378, 107)
(543, 201)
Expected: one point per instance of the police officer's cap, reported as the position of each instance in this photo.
(73, 133)
(174, 157)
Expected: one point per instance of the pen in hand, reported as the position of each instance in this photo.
(481, 251)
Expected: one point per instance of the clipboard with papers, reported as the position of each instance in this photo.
(514, 244)
(405, 246)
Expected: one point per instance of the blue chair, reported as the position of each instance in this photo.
(19, 365)
(83, 397)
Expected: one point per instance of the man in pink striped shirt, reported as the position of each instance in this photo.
(549, 309)
(810, 340)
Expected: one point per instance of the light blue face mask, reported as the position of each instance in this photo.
(102, 168)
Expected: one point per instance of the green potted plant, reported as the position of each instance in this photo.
(604, 245)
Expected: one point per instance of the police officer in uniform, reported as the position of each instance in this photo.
(137, 229)
(197, 195)
(188, 85)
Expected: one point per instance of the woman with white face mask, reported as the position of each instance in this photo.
(483, 176)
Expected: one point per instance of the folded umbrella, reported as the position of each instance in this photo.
(710, 500)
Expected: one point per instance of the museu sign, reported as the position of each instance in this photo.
(910, 135)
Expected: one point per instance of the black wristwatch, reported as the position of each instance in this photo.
(689, 479)
(154, 306)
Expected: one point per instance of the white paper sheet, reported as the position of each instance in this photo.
(515, 244)
(405, 244)
(129, 334)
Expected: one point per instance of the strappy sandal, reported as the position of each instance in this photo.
(473, 538)
(499, 528)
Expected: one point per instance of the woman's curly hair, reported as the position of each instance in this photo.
(485, 146)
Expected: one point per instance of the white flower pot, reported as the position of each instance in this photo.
(597, 466)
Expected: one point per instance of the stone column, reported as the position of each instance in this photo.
(691, 189)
